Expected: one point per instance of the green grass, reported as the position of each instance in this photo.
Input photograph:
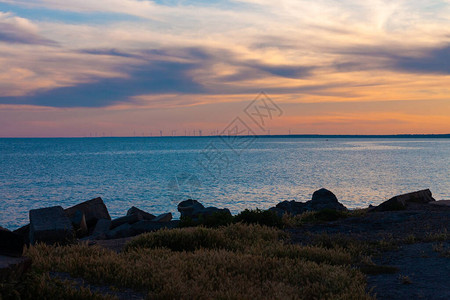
(238, 261)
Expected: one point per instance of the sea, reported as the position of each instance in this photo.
(156, 173)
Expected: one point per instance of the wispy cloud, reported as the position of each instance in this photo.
(304, 52)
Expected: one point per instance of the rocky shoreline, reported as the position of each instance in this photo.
(415, 214)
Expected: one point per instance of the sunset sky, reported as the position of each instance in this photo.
(130, 67)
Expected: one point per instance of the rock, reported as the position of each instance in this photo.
(78, 221)
(402, 202)
(145, 215)
(123, 230)
(93, 210)
(188, 207)
(209, 211)
(3, 229)
(101, 229)
(324, 199)
(129, 219)
(163, 218)
(290, 207)
(11, 244)
(24, 232)
(50, 225)
(148, 226)
(12, 268)
(278, 211)
(441, 203)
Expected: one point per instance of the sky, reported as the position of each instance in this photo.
(137, 67)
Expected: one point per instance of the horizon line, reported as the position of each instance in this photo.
(401, 135)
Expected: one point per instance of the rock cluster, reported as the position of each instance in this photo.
(321, 199)
(89, 220)
(194, 210)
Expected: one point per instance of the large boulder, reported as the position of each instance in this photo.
(24, 232)
(93, 211)
(129, 219)
(402, 202)
(167, 217)
(78, 221)
(101, 229)
(11, 244)
(209, 211)
(12, 268)
(324, 199)
(50, 225)
(143, 214)
(122, 231)
(188, 207)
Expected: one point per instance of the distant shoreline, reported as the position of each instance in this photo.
(313, 136)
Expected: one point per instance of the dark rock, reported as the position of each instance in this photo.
(163, 218)
(3, 229)
(144, 215)
(101, 229)
(278, 211)
(188, 207)
(441, 203)
(93, 210)
(78, 221)
(291, 207)
(402, 202)
(24, 231)
(209, 211)
(12, 268)
(148, 226)
(123, 230)
(50, 225)
(324, 199)
(129, 219)
(11, 244)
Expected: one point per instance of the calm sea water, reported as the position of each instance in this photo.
(157, 173)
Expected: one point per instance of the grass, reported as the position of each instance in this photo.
(238, 261)
(325, 215)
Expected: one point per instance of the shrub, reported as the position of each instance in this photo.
(217, 219)
(261, 217)
(234, 262)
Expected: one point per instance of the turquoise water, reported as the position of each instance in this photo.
(157, 173)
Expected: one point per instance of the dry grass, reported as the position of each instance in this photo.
(325, 215)
(234, 262)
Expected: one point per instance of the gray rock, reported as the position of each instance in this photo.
(209, 211)
(129, 219)
(163, 218)
(11, 244)
(93, 210)
(122, 231)
(101, 229)
(144, 215)
(441, 203)
(78, 221)
(50, 225)
(12, 268)
(401, 202)
(148, 226)
(188, 207)
(324, 199)
(24, 232)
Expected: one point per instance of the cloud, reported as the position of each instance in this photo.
(432, 61)
(19, 30)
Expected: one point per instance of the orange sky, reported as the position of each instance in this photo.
(131, 67)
